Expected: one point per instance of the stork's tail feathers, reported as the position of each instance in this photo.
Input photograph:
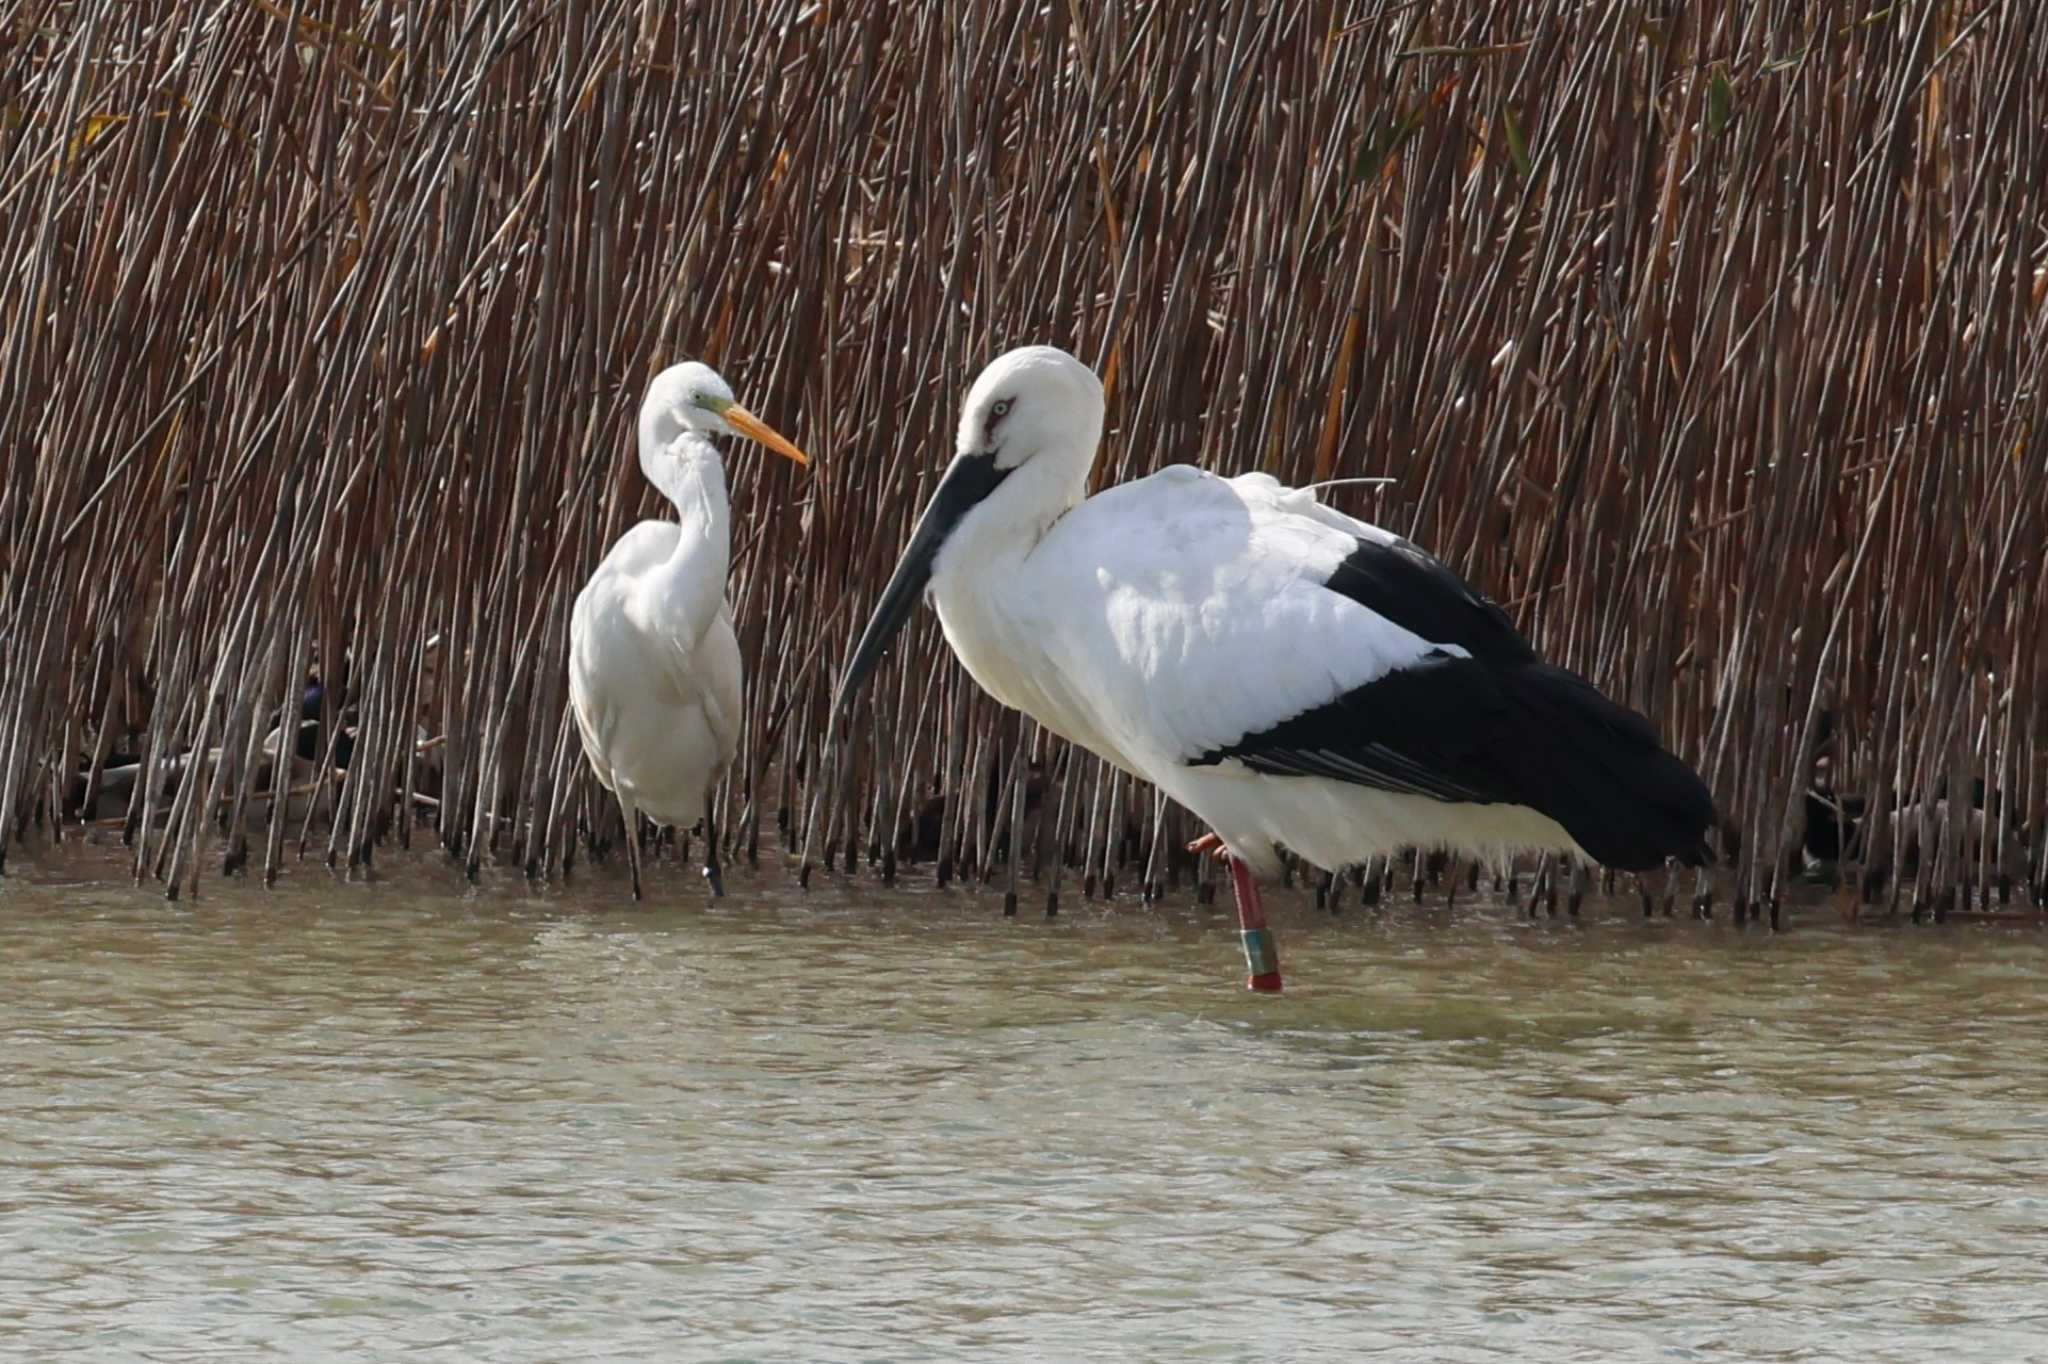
(1598, 769)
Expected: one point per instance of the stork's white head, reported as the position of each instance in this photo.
(691, 399)
(1026, 441)
(1031, 401)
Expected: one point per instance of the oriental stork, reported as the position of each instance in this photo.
(1294, 676)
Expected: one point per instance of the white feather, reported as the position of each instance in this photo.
(1169, 617)
(654, 667)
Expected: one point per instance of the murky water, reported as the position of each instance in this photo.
(400, 1122)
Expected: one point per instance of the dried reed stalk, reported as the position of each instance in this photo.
(1709, 339)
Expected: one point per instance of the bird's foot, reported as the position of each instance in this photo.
(1207, 843)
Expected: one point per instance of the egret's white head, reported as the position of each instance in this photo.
(1037, 398)
(1035, 416)
(691, 399)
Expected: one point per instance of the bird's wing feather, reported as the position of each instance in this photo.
(717, 662)
(626, 669)
(1438, 728)
(585, 702)
(1232, 607)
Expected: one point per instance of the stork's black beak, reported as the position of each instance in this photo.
(968, 480)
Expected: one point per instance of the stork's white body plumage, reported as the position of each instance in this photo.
(1169, 617)
(654, 666)
(1294, 676)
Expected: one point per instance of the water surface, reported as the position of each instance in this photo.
(411, 1121)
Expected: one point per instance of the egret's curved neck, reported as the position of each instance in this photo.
(689, 474)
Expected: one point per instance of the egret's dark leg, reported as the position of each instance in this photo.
(632, 817)
(711, 867)
(1261, 949)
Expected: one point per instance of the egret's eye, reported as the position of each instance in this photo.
(999, 409)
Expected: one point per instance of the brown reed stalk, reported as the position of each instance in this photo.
(1709, 341)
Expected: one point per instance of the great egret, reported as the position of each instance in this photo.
(1293, 676)
(654, 669)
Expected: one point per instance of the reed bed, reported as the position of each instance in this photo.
(1707, 337)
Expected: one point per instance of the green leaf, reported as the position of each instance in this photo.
(1518, 147)
(1720, 103)
(1377, 153)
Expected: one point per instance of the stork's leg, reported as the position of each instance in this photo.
(711, 869)
(1261, 949)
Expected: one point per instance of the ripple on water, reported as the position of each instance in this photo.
(394, 1123)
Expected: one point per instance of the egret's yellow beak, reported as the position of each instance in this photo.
(751, 426)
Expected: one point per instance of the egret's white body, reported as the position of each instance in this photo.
(654, 666)
(654, 677)
(1294, 676)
